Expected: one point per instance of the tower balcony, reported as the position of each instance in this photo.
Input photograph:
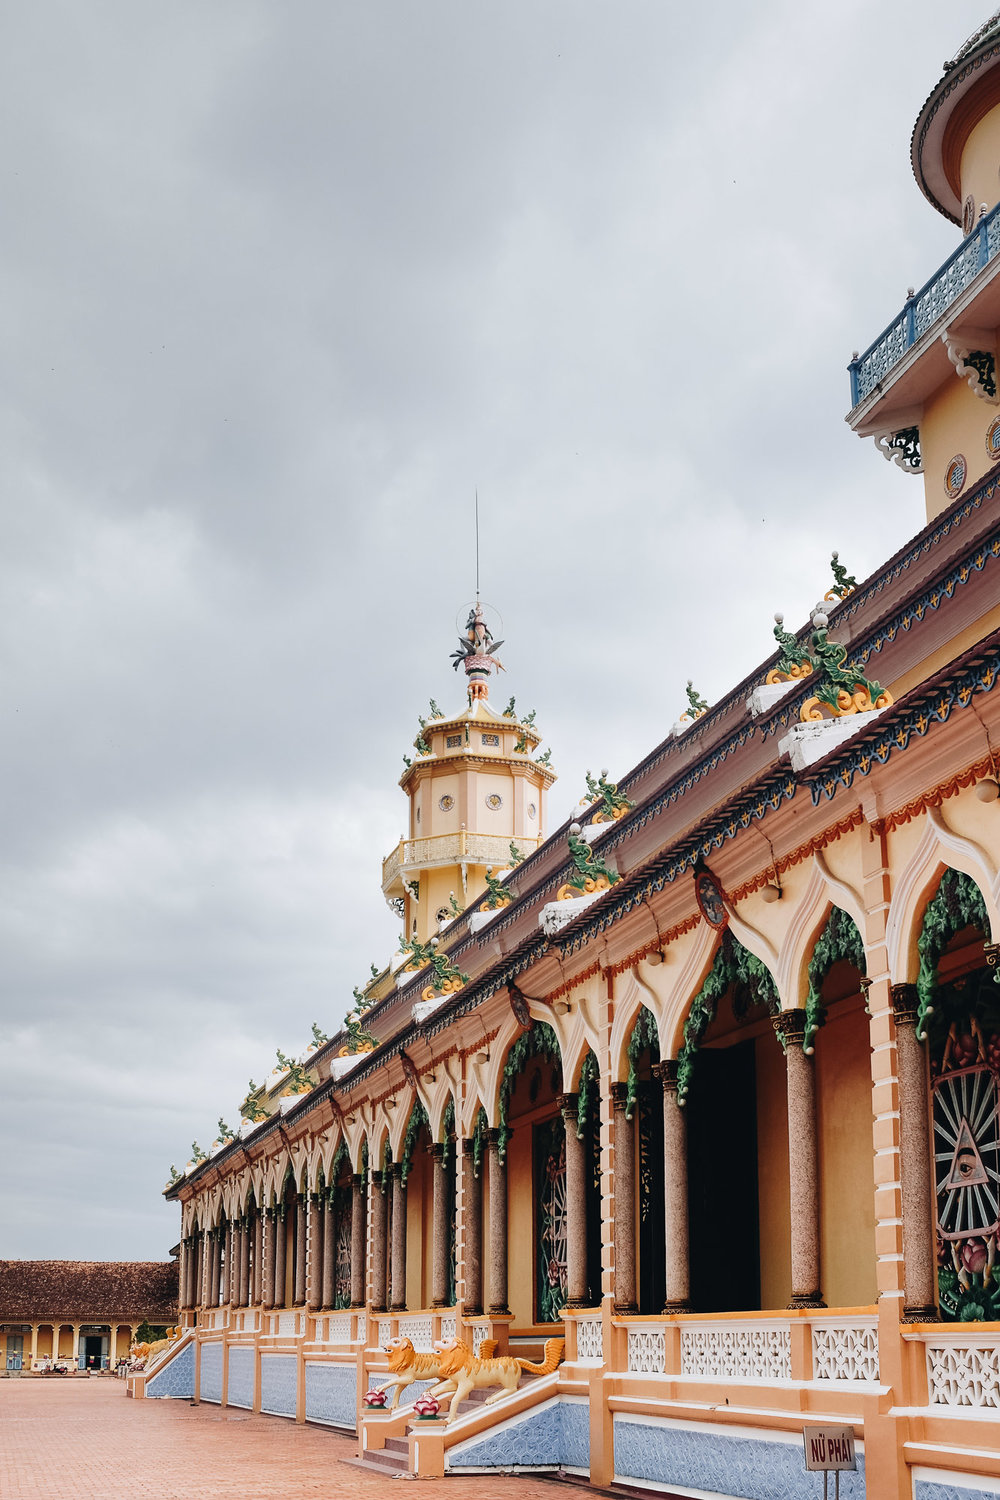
(411, 856)
(964, 290)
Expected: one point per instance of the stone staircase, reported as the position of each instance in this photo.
(393, 1456)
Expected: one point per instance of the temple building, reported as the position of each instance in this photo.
(81, 1314)
(705, 1082)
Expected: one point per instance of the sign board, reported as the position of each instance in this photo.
(829, 1447)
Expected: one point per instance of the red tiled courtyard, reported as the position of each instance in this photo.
(82, 1439)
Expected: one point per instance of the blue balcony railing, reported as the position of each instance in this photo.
(926, 306)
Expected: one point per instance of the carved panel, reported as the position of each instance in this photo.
(964, 1375)
(646, 1351)
(845, 1352)
(749, 1352)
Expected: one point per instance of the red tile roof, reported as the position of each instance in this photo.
(88, 1291)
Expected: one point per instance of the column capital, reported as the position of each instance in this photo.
(492, 1134)
(619, 1097)
(437, 1151)
(666, 1072)
(790, 1027)
(905, 1004)
(568, 1104)
(469, 1147)
(357, 1180)
(395, 1171)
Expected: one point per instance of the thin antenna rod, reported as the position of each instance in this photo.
(477, 544)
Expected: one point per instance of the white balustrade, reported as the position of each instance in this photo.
(845, 1351)
(419, 1330)
(589, 1341)
(339, 1329)
(646, 1351)
(965, 1374)
(384, 1331)
(287, 1325)
(737, 1351)
(480, 1331)
(448, 1328)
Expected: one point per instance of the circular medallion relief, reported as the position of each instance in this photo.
(532, 810)
(954, 476)
(494, 802)
(968, 215)
(446, 803)
(993, 439)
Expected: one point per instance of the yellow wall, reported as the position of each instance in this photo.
(521, 1224)
(844, 1118)
(954, 421)
(772, 1173)
(980, 168)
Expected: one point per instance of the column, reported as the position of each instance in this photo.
(803, 1161)
(301, 1244)
(624, 1141)
(498, 1226)
(328, 1288)
(257, 1294)
(270, 1246)
(245, 1234)
(472, 1224)
(202, 1269)
(380, 1193)
(34, 1345)
(316, 1226)
(916, 1195)
(676, 1231)
(358, 1238)
(439, 1237)
(214, 1248)
(398, 1291)
(76, 1345)
(576, 1205)
(280, 1254)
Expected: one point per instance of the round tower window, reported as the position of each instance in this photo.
(993, 439)
(446, 803)
(954, 476)
(968, 215)
(532, 810)
(494, 802)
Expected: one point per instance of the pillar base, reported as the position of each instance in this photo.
(440, 1302)
(669, 1308)
(579, 1304)
(472, 1312)
(805, 1299)
(920, 1315)
(397, 1307)
(360, 1307)
(629, 1310)
(499, 1312)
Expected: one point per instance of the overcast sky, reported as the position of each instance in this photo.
(282, 285)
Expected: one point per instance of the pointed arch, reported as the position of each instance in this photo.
(733, 963)
(938, 849)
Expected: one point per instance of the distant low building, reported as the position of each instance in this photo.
(82, 1314)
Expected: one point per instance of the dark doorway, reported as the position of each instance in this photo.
(93, 1350)
(722, 1181)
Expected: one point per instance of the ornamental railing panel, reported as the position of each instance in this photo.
(737, 1352)
(384, 1331)
(419, 1331)
(479, 1332)
(287, 1325)
(964, 1375)
(924, 308)
(646, 1351)
(448, 1328)
(589, 1341)
(845, 1351)
(339, 1329)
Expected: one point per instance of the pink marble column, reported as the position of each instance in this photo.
(301, 1246)
(280, 1253)
(625, 1299)
(439, 1231)
(315, 1224)
(257, 1294)
(328, 1289)
(472, 1223)
(916, 1190)
(398, 1292)
(215, 1252)
(498, 1226)
(676, 1234)
(270, 1256)
(803, 1161)
(359, 1237)
(379, 1213)
(576, 1206)
(200, 1271)
(245, 1259)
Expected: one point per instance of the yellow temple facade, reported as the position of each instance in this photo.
(704, 1085)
